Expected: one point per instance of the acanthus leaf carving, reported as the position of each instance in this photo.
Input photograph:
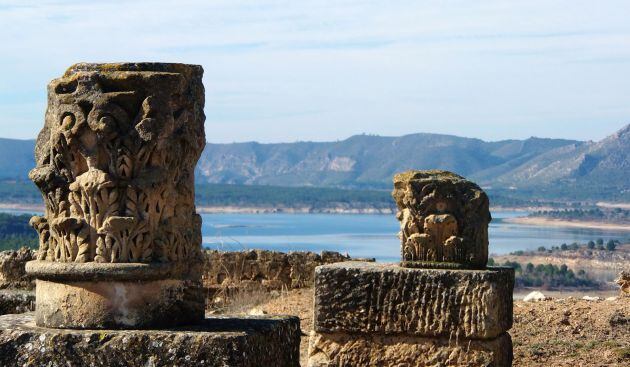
(110, 164)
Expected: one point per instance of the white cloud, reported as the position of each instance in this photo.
(321, 70)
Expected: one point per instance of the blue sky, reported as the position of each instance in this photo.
(280, 71)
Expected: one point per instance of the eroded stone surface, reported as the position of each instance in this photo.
(271, 269)
(12, 272)
(345, 350)
(115, 164)
(118, 304)
(360, 297)
(443, 220)
(624, 283)
(218, 341)
(16, 301)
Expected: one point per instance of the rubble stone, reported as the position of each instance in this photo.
(271, 269)
(12, 272)
(16, 301)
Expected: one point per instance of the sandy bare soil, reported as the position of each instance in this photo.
(539, 221)
(560, 332)
(572, 332)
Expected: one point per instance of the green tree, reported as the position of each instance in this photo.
(600, 241)
(590, 245)
(529, 268)
(542, 249)
(611, 245)
(581, 273)
(564, 247)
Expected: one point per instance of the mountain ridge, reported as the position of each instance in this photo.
(369, 161)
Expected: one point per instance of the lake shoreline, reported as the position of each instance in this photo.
(548, 222)
(232, 209)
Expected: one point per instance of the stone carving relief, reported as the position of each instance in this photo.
(443, 219)
(115, 164)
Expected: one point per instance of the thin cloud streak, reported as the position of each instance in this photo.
(325, 70)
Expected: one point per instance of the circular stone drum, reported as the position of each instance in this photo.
(127, 296)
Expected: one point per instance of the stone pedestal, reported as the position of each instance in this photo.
(120, 240)
(368, 314)
(217, 341)
(121, 296)
(374, 349)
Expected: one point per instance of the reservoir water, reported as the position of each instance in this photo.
(369, 235)
(366, 235)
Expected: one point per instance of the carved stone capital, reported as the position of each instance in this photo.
(120, 240)
(443, 220)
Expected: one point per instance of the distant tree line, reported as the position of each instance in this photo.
(616, 215)
(18, 191)
(315, 197)
(548, 276)
(15, 232)
(22, 191)
(599, 244)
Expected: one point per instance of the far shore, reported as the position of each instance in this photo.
(229, 209)
(541, 221)
(22, 207)
(232, 209)
(292, 210)
(536, 221)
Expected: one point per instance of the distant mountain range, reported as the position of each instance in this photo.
(554, 166)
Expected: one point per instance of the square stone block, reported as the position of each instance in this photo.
(357, 297)
(347, 350)
(217, 341)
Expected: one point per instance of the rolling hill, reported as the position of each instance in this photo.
(363, 160)
(548, 168)
(16, 158)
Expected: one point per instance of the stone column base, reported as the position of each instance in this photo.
(116, 296)
(346, 350)
(217, 341)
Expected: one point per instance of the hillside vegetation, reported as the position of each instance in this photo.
(535, 168)
(616, 215)
(15, 232)
(263, 196)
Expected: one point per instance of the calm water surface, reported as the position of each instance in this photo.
(368, 235)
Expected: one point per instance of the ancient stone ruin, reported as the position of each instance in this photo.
(443, 220)
(440, 307)
(624, 283)
(120, 241)
(115, 165)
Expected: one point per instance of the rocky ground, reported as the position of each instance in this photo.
(572, 332)
(558, 332)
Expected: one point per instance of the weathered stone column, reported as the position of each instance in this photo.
(439, 306)
(120, 239)
(120, 242)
